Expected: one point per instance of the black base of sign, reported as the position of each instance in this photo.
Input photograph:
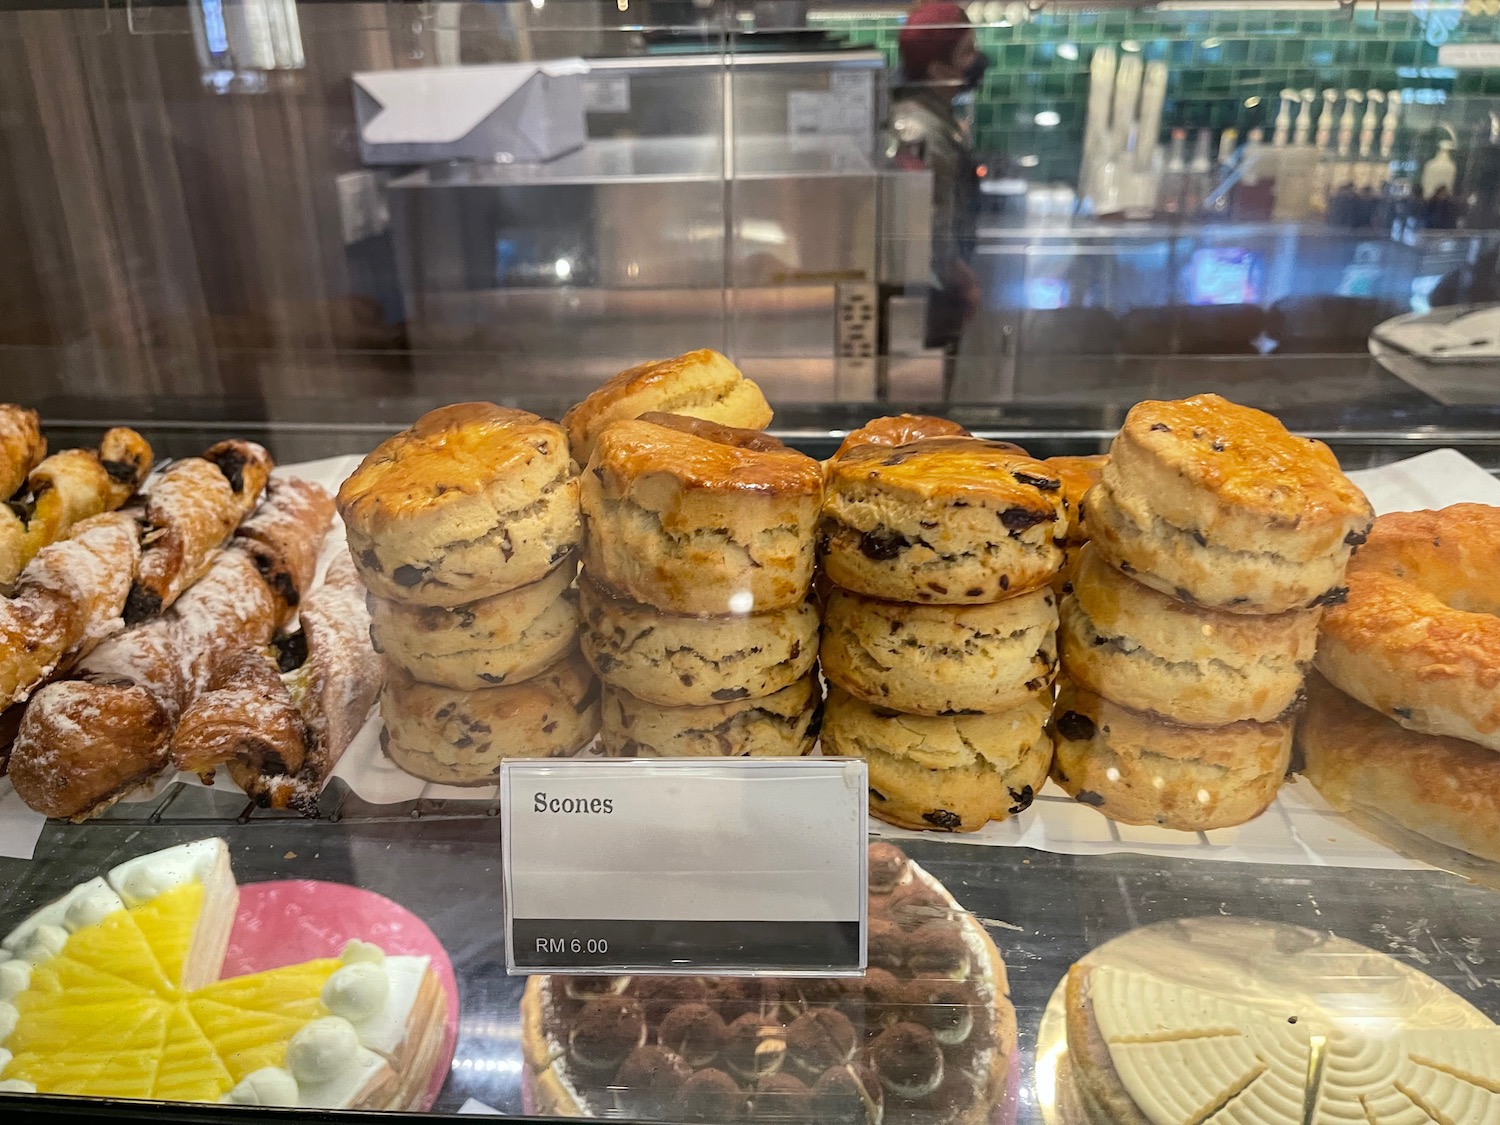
(615, 944)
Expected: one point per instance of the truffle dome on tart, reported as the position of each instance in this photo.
(473, 500)
(700, 519)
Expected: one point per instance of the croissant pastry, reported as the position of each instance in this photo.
(84, 743)
(281, 735)
(68, 599)
(284, 536)
(22, 447)
(192, 510)
(68, 487)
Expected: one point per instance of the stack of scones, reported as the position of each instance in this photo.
(694, 595)
(939, 639)
(1216, 539)
(464, 529)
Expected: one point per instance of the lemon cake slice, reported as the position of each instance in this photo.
(113, 991)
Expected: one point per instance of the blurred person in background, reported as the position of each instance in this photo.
(940, 60)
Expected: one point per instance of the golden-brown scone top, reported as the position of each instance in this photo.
(698, 384)
(22, 447)
(1078, 475)
(448, 457)
(954, 469)
(703, 456)
(900, 429)
(1246, 458)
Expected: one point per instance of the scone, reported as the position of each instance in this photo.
(460, 737)
(941, 659)
(693, 661)
(1432, 797)
(900, 429)
(954, 773)
(942, 520)
(700, 384)
(1078, 475)
(697, 518)
(473, 500)
(1196, 666)
(1219, 505)
(783, 724)
(1138, 769)
(496, 640)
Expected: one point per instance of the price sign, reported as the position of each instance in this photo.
(730, 866)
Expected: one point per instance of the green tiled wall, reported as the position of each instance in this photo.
(1217, 61)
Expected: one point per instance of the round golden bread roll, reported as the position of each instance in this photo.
(942, 520)
(1138, 769)
(460, 737)
(1199, 667)
(1443, 791)
(941, 659)
(1219, 505)
(472, 500)
(899, 429)
(697, 518)
(496, 640)
(783, 724)
(698, 384)
(1419, 637)
(681, 661)
(953, 773)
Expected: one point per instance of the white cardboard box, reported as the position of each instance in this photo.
(521, 112)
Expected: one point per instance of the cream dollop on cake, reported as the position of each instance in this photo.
(270, 1085)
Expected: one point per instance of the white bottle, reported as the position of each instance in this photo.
(1440, 171)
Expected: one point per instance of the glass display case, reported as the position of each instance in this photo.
(1081, 417)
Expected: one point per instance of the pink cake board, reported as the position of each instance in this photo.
(294, 920)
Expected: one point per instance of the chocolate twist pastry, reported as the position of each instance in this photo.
(69, 487)
(191, 510)
(68, 599)
(280, 735)
(284, 536)
(86, 742)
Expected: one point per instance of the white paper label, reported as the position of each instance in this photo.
(684, 865)
(1469, 54)
(606, 93)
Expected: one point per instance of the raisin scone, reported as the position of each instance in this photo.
(899, 429)
(953, 773)
(697, 518)
(783, 724)
(941, 659)
(682, 661)
(460, 737)
(1219, 505)
(496, 640)
(1139, 769)
(698, 384)
(925, 1037)
(1200, 667)
(942, 520)
(1078, 475)
(471, 501)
